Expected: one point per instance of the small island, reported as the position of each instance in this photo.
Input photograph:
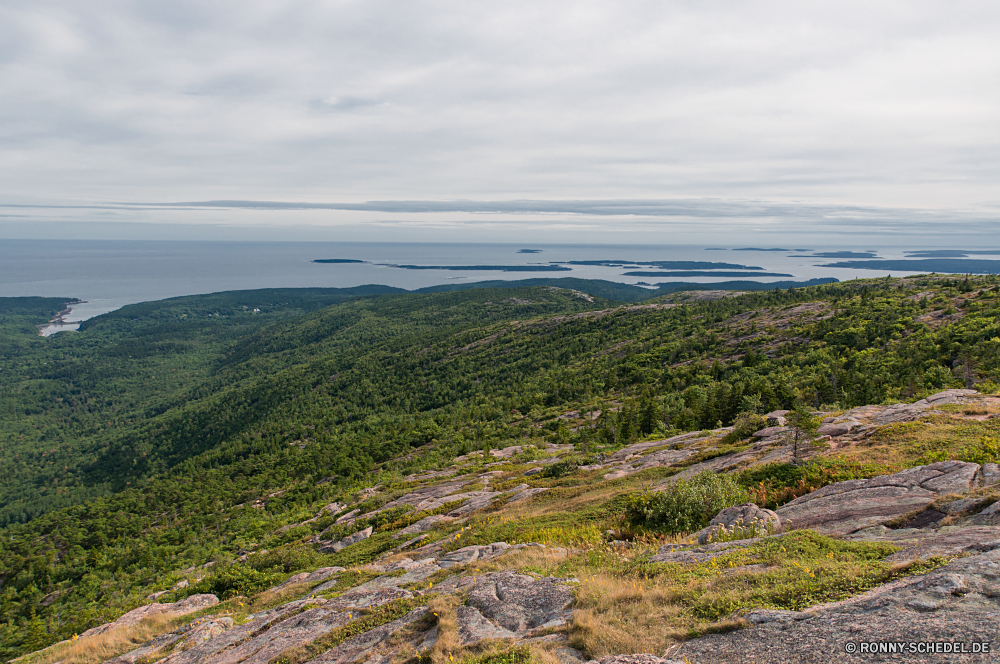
(530, 251)
(703, 273)
(760, 249)
(945, 265)
(337, 260)
(496, 268)
(666, 265)
(950, 253)
(839, 254)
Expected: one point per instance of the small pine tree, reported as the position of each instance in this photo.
(804, 427)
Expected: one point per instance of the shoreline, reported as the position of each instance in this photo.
(60, 321)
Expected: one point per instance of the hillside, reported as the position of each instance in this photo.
(212, 453)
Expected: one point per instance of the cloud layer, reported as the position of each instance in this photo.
(843, 105)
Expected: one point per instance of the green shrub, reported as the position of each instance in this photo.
(686, 505)
(287, 559)
(746, 425)
(385, 518)
(564, 467)
(238, 579)
(387, 495)
(774, 484)
(987, 451)
(516, 655)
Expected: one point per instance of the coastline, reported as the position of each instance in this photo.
(59, 323)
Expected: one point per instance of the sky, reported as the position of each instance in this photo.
(555, 121)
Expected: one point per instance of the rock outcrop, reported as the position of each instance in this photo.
(181, 608)
(508, 605)
(334, 547)
(846, 507)
(957, 603)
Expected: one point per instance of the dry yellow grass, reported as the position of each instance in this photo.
(443, 610)
(616, 615)
(101, 647)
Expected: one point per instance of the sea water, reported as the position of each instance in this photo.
(107, 275)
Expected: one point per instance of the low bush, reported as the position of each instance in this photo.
(746, 425)
(287, 559)
(774, 484)
(686, 505)
(987, 451)
(560, 468)
(238, 579)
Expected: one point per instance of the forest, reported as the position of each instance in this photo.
(171, 434)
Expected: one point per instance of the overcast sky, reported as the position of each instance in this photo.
(732, 117)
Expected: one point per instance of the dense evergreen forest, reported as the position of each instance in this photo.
(169, 434)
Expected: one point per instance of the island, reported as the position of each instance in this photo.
(667, 265)
(497, 268)
(337, 260)
(703, 273)
(946, 265)
(838, 254)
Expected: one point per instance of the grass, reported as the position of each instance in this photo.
(626, 604)
(623, 602)
(101, 647)
(933, 438)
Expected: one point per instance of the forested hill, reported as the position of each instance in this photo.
(145, 387)
(172, 434)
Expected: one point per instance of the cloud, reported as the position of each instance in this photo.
(345, 103)
(844, 112)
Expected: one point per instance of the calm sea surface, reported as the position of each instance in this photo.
(111, 274)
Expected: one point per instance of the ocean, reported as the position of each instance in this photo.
(110, 274)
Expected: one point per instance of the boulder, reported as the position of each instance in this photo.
(846, 507)
(532, 471)
(332, 508)
(776, 418)
(746, 519)
(769, 432)
(965, 505)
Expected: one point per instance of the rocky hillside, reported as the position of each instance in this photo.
(885, 528)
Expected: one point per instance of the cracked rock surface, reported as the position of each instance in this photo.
(958, 603)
